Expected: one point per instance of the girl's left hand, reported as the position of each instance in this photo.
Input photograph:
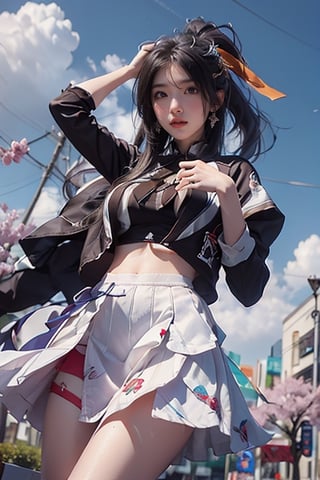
(198, 175)
(140, 57)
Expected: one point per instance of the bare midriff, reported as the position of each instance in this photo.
(146, 257)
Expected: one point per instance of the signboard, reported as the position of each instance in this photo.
(274, 365)
(245, 462)
(306, 439)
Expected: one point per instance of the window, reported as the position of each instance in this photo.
(295, 348)
(306, 344)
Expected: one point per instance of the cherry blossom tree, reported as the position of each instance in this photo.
(290, 403)
(11, 231)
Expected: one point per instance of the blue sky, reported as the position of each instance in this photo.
(44, 45)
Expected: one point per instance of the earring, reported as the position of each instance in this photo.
(158, 128)
(213, 119)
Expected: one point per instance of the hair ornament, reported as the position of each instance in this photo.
(244, 72)
(193, 41)
(212, 51)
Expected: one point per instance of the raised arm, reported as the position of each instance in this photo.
(72, 110)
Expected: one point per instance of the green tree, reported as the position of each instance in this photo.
(21, 454)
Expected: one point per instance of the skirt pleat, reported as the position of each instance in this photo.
(143, 333)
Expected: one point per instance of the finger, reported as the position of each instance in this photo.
(147, 46)
(187, 164)
(185, 173)
(184, 183)
(180, 174)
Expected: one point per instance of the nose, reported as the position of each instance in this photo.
(175, 105)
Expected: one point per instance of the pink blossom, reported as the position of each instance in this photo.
(15, 152)
(5, 269)
(4, 207)
(10, 234)
(290, 402)
(4, 253)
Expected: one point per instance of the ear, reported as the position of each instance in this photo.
(220, 96)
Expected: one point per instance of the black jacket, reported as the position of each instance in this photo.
(197, 233)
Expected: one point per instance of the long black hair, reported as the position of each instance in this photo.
(194, 50)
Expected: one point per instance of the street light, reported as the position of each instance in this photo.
(314, 283)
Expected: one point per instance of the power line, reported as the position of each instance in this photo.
(292, 183)
(22, 117)
(280, 29)
(17, 189)
(35, 140)
(163, 5)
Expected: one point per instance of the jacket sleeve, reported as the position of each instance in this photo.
(246, 272)
(108, 154)
(36, 286)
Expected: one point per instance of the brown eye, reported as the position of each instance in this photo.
(192, 90)
(159, 94)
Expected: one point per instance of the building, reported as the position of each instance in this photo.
(298, 342)
(298, 358)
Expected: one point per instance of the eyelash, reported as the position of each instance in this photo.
(190, 90)
(159, 94)
(195, 90)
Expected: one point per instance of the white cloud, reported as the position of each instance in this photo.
(48, 205)
(252, 331)
(112, 62)
(122, 126)
(36, 46)
(306, 263)
(118, 120)
(92, 64)
(34, 36)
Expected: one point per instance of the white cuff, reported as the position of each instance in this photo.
(239, 251)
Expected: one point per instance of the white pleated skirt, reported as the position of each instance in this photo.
(144, 333)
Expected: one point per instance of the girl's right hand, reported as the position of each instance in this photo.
(138, 60)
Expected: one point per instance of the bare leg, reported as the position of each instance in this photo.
(64, 437)
(131, 445)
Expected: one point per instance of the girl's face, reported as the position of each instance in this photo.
(179, 106)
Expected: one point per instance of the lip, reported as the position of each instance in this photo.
(178, 123)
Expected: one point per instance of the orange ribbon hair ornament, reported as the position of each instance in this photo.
(244, 72)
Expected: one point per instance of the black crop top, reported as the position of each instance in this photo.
(145, 212)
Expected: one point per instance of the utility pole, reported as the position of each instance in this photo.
(314, 283)
(45, 177)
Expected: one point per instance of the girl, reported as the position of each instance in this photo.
(141, 375)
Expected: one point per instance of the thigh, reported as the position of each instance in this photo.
(64, 437)
(131, 445)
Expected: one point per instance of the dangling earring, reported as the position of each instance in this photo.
(213, 119)
(157, 127)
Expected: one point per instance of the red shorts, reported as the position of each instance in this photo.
(73, 363)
